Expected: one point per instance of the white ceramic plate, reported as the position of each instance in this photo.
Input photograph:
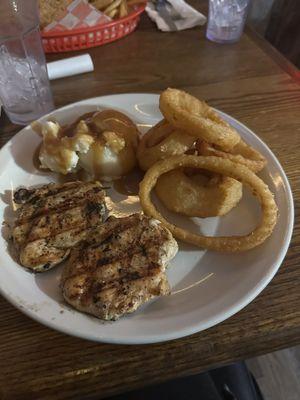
(207, 287)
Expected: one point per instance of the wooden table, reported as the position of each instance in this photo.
(251, 82)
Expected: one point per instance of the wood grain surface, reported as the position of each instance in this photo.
(243, 80)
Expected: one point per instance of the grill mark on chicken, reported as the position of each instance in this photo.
(54, 223)
(60, 200)
(120, 266)
(22, 196)
(54, 218)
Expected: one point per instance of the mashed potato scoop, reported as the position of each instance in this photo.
(102, 143)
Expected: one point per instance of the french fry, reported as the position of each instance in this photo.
(101, 4)
(123, 9)
(115, 4)
(112, 13)
(133, 2)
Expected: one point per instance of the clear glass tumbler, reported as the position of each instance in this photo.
(24, 85)
(226, 20)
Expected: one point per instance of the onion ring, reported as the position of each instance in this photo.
(198, 195)
(160, 142)
(196, 118)
(241, 153)
(227, 168)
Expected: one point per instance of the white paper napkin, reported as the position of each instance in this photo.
(70, 66)
(185, 16)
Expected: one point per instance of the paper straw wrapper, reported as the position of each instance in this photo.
(70, 66)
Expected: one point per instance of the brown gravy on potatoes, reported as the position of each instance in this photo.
(127, 185)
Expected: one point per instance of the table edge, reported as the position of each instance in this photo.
(285, 64)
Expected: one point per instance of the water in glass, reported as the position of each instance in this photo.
(24, 86)
(226, 20)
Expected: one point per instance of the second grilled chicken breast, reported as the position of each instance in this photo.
(120, 266)
(54, 218)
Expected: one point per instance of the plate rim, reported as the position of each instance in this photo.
(192, 329)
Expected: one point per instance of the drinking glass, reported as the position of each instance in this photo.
(226, 20)
(24, 85)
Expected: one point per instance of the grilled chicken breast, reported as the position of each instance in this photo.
(120, 266)
(54, 218)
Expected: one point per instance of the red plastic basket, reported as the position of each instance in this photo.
(97, 35)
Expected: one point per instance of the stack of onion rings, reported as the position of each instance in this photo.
(218, 149)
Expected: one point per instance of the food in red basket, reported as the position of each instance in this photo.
(50, 10)
(54, 10)
(101, 4)
(116, 8)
